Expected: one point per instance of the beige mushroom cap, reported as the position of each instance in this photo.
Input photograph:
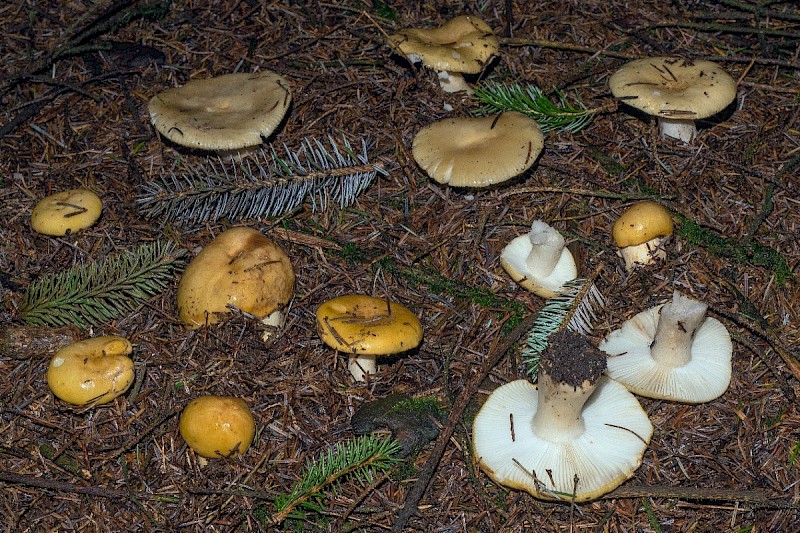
(674, 87)
(476, 152)
(642, 222)
(66, 212)
(240, 267)
(93, 371)
(222, 113)
(217, 426)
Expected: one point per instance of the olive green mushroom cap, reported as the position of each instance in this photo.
(66, 212)
(222, 113)
(477, 152)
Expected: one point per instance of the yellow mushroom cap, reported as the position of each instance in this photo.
(92, 371)
(240, 267)
(217, 426)
(66, 212)
(360, 324)
(640, 223)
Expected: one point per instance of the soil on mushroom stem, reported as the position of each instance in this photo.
(572, 360)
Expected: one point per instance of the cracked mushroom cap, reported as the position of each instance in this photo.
(672, 87)
(241, 268)
(223, 113)
(464, 44)
(477, 152)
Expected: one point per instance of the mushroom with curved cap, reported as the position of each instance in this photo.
(539, 261)
(66, 212)
(477, 152)
(240, 268)
(367, 328)
(677, 91)
(575, 436)
(217, 426)
(463, 45)
(92, 371)
(639, 232)
(225, 113)
(672, 352)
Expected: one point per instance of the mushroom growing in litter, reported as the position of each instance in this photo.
(539, 261)
(92, 371)
(367, 328)
(677, 91)
(224, 114)
(240, 268)
(66, 212)
(672, 352)
(639, 232)
(217, 426)
(477, 152)
(575, 436)
(464, 45)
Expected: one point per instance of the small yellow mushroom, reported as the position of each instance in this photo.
(93, 371)
(217, 426)
(66, 212)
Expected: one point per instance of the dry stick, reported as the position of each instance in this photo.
(427, 471)
(758, 498)
(725, 28)
(54, 484)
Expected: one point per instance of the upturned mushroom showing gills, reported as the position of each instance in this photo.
(677, 91)
(92, 371)
(464, 45)
(217, 426)
(240, 268)
(539, 261)
(574, 436)
(66, 212)
(672, 352)
(367, 328)
(639, 233)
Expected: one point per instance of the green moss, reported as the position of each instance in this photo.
(420, 406)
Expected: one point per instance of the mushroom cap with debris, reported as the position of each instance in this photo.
(227, 112)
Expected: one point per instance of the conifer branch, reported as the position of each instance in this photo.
(358, 459)
(97, 293)
(266, 186)
(529, 100)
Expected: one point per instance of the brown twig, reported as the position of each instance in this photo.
(757, 498)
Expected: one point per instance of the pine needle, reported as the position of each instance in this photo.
(529, 100)
(97, 293)
(358, 459)
(266, 186)
(574, 308)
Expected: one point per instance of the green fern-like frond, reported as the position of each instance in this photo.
(358, 459)
(267, 185)
(529, 100)
(97, 293)
(574, 308)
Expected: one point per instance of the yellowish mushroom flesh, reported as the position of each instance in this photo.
(639, 231)
(66, 212)
(217, 426)
(93, 371)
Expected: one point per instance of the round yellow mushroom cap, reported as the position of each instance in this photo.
(217, 426)
(93, 371)
(240, 267)
(66, 212)
(642, 222)
(365, 325)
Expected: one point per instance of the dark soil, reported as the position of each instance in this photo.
(571, 360)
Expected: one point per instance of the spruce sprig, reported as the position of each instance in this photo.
(358, 459)
(573, 308)
(98, 292)
(530, 100)
(267, 185)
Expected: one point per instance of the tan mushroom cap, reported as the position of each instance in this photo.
(361, 324)
(642, 222)
(673, 87)
(66, 212)
(223, 113)
(463, 44)
(92, 371)
(240, 267)
(477, 152)
(217, 426)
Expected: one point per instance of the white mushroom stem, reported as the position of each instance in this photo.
(682, 129)
(274, 321)
(677, 324)
(452, 82)
(643, 254)
(361, 365)
(558, 417)
(546, 247)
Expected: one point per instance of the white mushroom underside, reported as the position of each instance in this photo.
(607, 453)
(514, 259)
